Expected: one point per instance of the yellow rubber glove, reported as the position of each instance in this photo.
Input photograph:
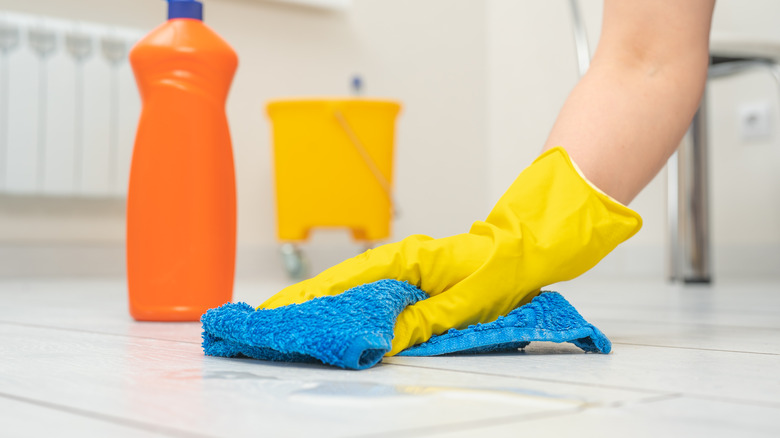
(551, 225)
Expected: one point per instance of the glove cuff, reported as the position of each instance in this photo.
(590, 183)
(610, 202)
(559, 223)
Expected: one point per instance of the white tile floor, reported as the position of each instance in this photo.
(686, 361)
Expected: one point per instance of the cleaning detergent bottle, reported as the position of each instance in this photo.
(181, 205)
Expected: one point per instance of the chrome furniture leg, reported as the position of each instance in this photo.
(688, 198)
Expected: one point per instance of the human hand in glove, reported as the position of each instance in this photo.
(551, 225)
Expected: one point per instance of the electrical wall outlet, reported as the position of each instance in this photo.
(755, 121)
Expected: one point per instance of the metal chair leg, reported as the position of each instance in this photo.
(688, 203)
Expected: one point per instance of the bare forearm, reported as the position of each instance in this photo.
(629, 112)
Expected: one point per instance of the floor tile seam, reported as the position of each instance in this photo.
(672, 308)
(624, 404)
(690, 324)
(539, 379)
(92, 332)
(718, 350)
(621, 404)
(112, 419)
(657, 398)
(475, 425)
(657, 393)
(733, 400)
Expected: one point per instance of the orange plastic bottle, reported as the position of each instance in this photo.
(181, 206)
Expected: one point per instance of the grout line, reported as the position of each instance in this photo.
(92, 332)
(658, 393)
(474, 425)
(135, 424)
(733, 400)
(537, 379)
(688, 324)
(696, 348)
(647, 400)
(676, 311)
(722, 303)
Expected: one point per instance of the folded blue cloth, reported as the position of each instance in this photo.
(351, 330)
(548, 317)
(354, 329)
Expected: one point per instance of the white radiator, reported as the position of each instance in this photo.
(69, 107)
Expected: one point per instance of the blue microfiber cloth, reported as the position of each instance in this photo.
(351, 330)
(354, 329)
(548, 317)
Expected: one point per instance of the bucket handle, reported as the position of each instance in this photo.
(363, 152)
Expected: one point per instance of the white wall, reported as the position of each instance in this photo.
(745, 177)
(432, 60)
(481, 82)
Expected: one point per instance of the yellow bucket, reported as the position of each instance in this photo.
(333, 160)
